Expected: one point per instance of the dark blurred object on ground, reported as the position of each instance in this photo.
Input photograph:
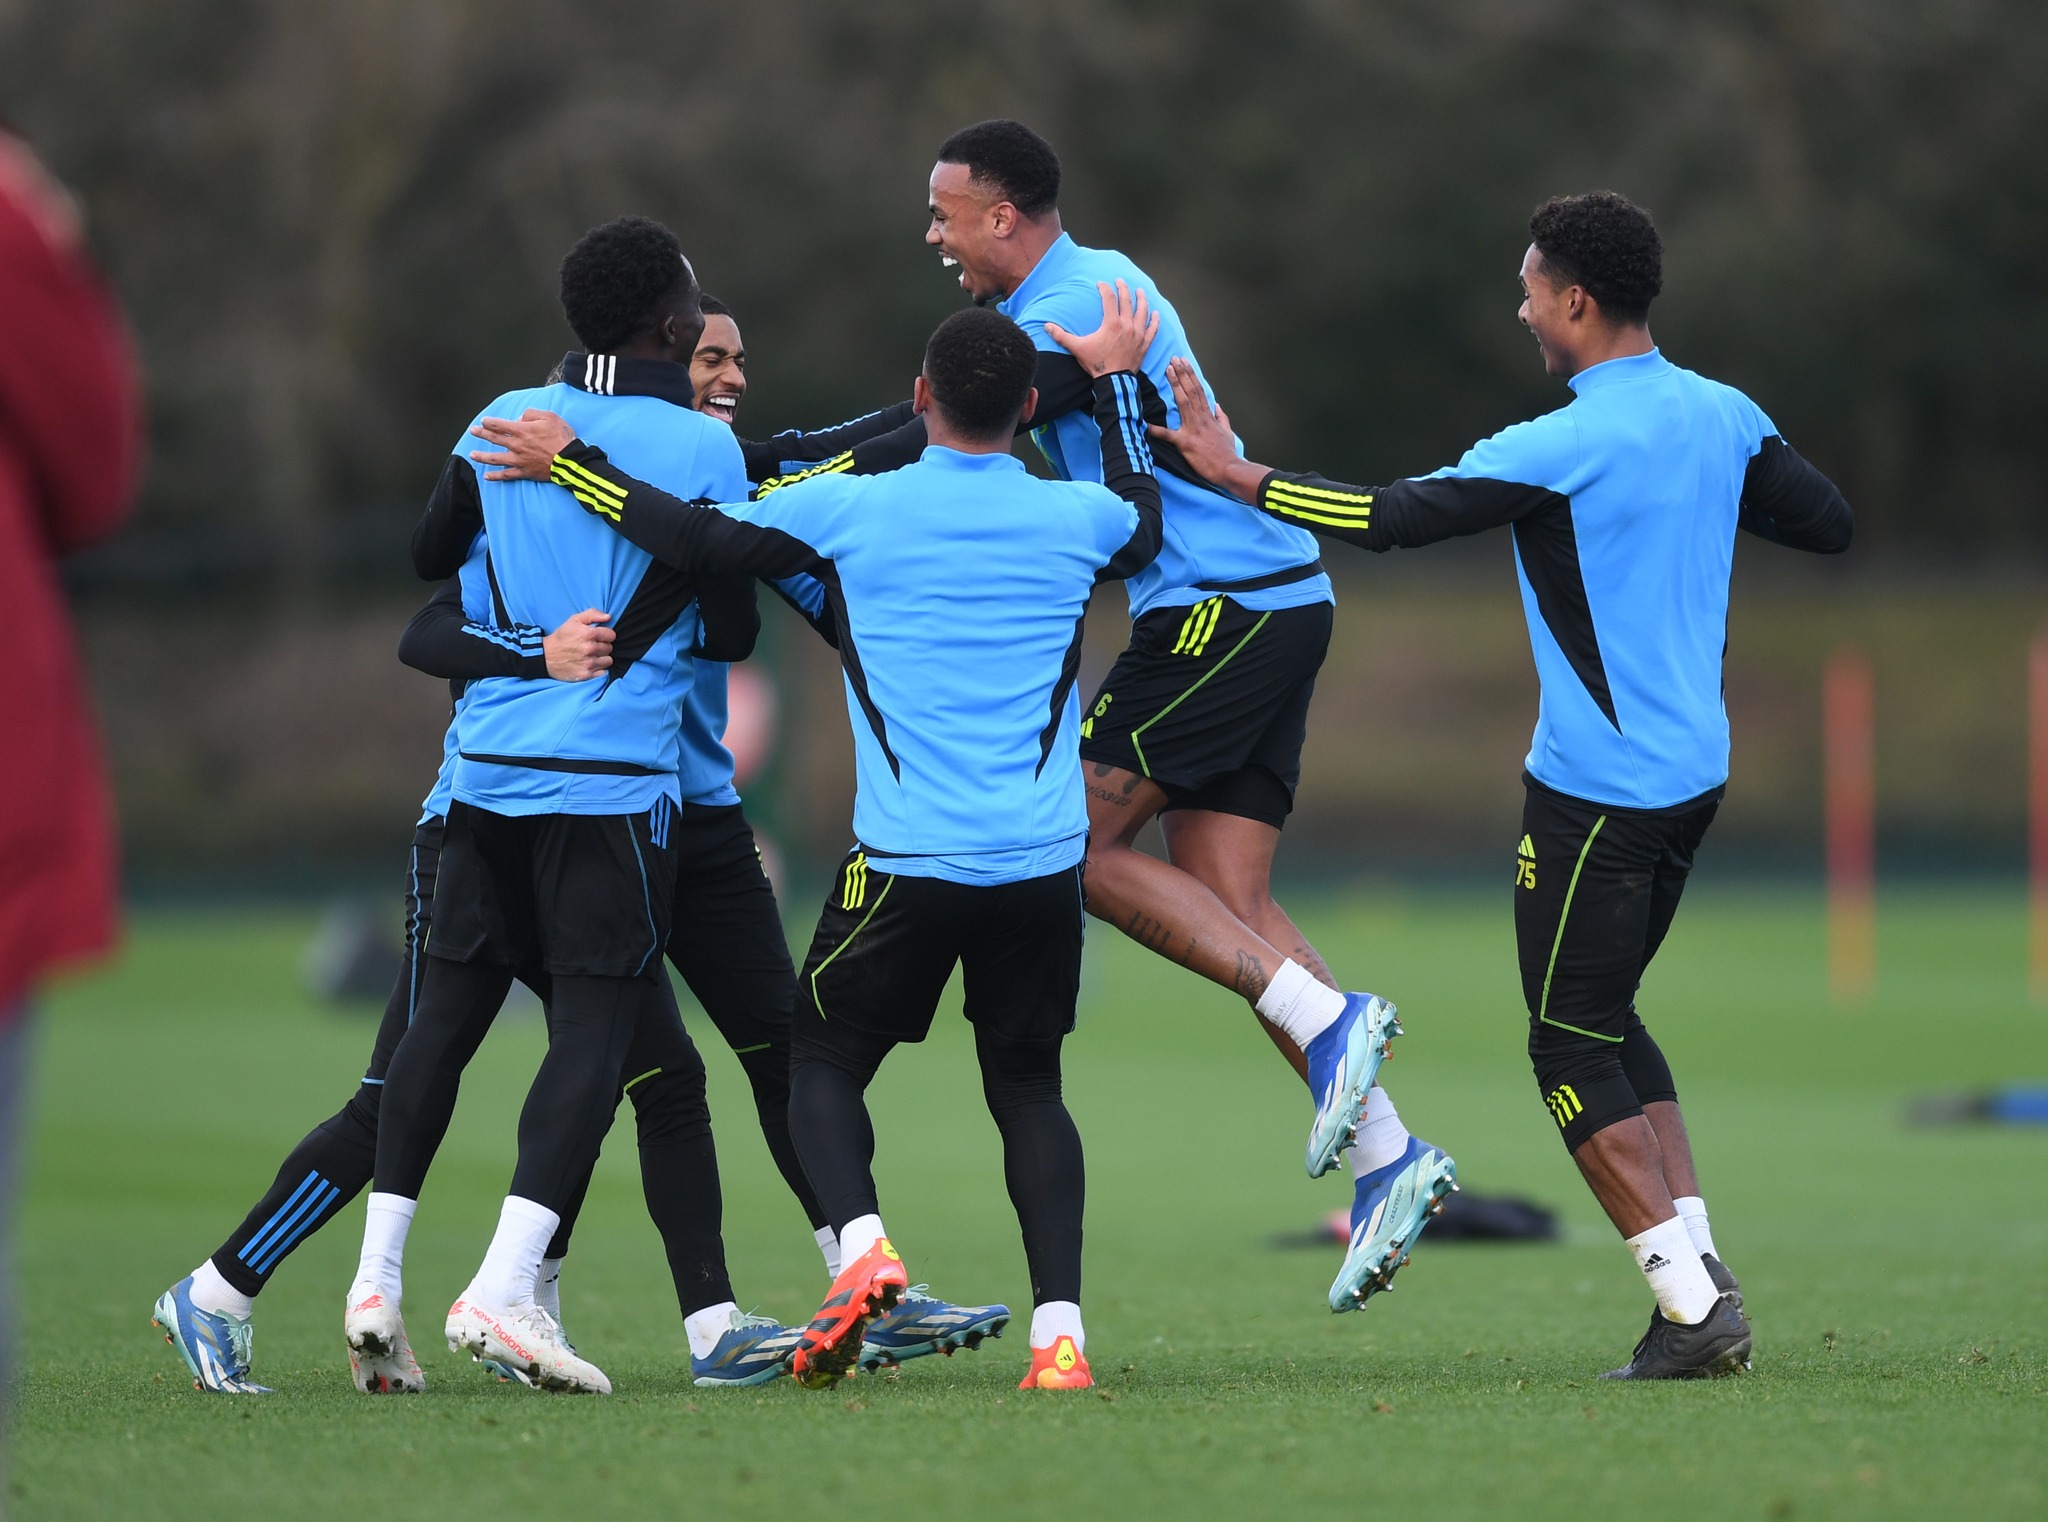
(1466, 1218)
(353, 957)
(2014, 1105)
(70, 441)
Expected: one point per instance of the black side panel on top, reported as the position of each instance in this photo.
(656, 603)
(828, 576)
(1549, 547)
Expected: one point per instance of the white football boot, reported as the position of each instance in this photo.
(379, 1354)
(527, 1341)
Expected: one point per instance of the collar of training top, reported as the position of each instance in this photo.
(1613, 371)
(1051, 264)
(608, 375)
(961, 459)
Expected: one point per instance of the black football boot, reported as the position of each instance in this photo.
(1706, 1350)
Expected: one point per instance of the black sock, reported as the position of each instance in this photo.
(323, 1173)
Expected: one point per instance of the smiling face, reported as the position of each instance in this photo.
(718, 368)
(973, 229)
(1550, 310)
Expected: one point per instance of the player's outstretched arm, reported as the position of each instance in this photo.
(794, 449)
(1470, 498)
(1789, 502)
(691, 536)
(442, 640)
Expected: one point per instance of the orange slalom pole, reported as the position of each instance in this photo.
(2037, 816)
(1848, 712)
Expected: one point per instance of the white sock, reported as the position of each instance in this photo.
(857, 1236)
(1299, 1005)
(1693, 1211)
(828, 1244)
(381, 1271)
(1381, 1136)
(1056, 1319)
(547, 1287)
(1677, 1278)
(212, 1292)
(511, 1267)
(705, 1327)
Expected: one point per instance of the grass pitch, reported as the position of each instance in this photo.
(1898, 1279)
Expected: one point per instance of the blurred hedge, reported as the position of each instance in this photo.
(337, 226)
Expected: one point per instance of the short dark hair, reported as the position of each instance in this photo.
(980, 367)
(1606, 243)
(619, 279)
(1018, 163)
(711, 306)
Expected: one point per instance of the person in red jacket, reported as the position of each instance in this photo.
(70, 444)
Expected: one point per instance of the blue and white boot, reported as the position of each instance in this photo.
(1343, 1064)
(214, 1345)
(1389, 1208)
(921, 1323)
(753, 1351)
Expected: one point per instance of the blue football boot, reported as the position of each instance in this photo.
(754, 1351)
(1343, 1064)
(1389, 1208)
(214, 1345)
(921, 1323)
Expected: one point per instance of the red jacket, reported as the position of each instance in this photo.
(70, 444)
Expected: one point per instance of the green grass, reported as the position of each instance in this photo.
(1898, 1279)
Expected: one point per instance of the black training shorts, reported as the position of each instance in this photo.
(580, 895)
(886, 945)
(1211, 702)
(1596, 887)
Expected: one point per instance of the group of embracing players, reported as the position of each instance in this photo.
(601, 540)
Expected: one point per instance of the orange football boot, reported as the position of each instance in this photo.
(830, 1346)
(1059, 1367)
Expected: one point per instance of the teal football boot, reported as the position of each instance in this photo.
(1343, 1065)
(1389, 1208)
(214, 1345)
(921, 1323)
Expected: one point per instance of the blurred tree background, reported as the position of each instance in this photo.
(336, 228)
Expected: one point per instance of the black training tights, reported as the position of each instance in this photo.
(458, 1001)
(569, 1107)
(1042, 1163)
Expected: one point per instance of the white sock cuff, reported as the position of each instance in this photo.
(828, 1244)
(1671, 1265)
(212, 1292)
(857, 1236)
(1301, 1007)
(1056, 1319)
(705, 1327)
(397, 1204)
(1693, 1211)
(528, 1213)
(1283, 990)
(1382, 1139)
